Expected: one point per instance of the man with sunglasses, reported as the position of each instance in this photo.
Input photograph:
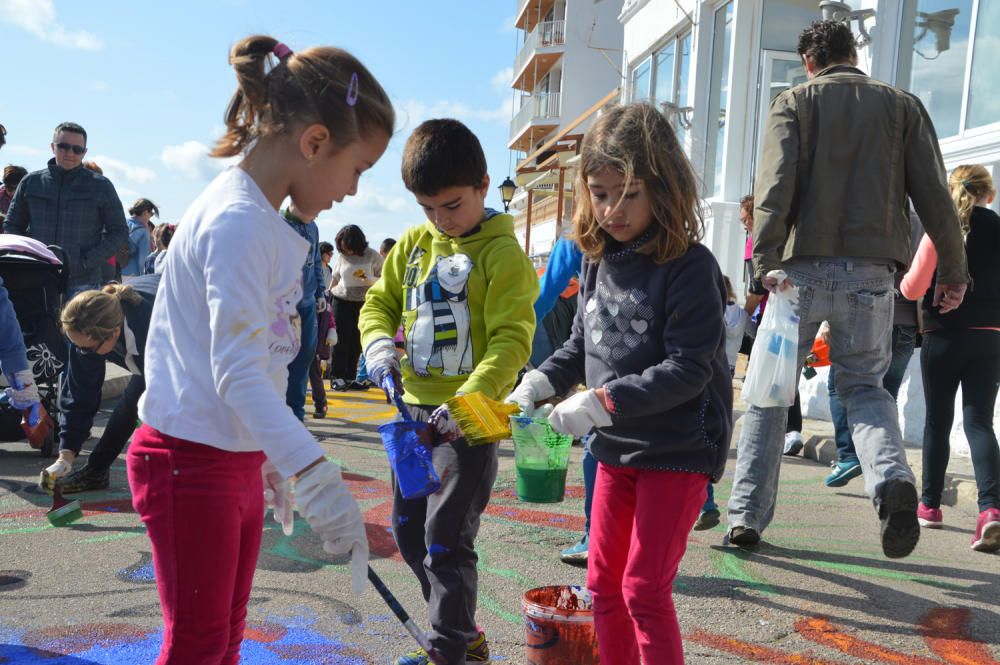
(72, 207)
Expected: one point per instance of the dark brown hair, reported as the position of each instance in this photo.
(163, 234)
(314, 85)
(638, 142)
(69, 127)
(3, 136)
(828, 42)
(92, 166)
(143, 205)
(746, 203)
(442, 153)
(351, 240)
(386, 246)
(12, 177)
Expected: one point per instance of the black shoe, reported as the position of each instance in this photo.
(364, 384)
(708, 519)
(85, 480)
(744, 536)
(338, 385)
(319, 413)
(898, 514)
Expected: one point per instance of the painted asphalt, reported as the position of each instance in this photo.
(818, 592)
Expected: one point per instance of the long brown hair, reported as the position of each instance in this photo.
(320, 84)
(969, 183)
(638, 142)
(97, 314)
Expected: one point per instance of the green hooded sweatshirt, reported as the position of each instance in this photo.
(466, 306)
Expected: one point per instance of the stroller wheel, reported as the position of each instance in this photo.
(48, 448)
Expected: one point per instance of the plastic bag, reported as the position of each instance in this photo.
(772, 376)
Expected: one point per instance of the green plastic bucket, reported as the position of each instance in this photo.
(541, 456)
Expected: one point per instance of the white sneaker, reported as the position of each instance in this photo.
(793, 443)
(49, 475)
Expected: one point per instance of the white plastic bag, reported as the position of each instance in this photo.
(772, 376)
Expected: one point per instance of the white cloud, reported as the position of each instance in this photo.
(191, 159)
(507, 25)
(117, 170)
(501, 80)
(39, 18)
(413, 111)
(26, 151)
(100, 86)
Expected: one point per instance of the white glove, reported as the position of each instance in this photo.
(579, 414)
(331, 337)
(324, 500)
(23, 394)
(321, 305)
(278, 497)
(442, 423)
(381, 360)
(534, 388)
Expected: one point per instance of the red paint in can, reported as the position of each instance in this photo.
(559, 626)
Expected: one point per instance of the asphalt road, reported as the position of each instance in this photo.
(817, 592)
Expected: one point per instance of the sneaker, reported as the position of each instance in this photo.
(85, 480)
(898, 514)
(319, 413)
(793, 443)
(842, 473)
(744, 536)
(47, 479)
(338, 384)
(987, 538)
(576, 553)
(707, 519)
(363, 384)
(929, 518)
(478, 651)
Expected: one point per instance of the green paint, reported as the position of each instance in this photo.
(26, 529)
(870, 571)
(493, 606)
(132, 533)
(732, 565)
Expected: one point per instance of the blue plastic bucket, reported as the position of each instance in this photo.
(408, 445)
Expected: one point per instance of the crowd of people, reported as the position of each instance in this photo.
(226, 336)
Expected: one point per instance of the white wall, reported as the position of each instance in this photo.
(591, 60)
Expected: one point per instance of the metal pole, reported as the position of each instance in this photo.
(527, 224)
(559, 205)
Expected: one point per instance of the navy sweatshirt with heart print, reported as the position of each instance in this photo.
(653, 335)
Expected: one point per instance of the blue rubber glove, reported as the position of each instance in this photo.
(441, 422)
(23, 394)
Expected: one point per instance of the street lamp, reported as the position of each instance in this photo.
(507, 189)
(841, 11)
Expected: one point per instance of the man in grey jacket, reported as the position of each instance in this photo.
(70, 206)
(841, 154)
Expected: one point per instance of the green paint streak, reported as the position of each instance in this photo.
(732, 566)
(114, 536)
(493, 606)
(887, 574)
(25, 529)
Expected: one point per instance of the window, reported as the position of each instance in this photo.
(682, 122)
(662, 79)
(640, 81)
(934, 61)
(663, 86)
(719, 98)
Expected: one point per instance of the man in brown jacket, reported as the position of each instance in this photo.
(842, 153)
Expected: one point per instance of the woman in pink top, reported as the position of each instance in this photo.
(962, 347)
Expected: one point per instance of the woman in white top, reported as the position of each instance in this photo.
(357, 267)
(223, 330)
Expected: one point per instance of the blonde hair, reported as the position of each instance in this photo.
(97, 314)
(638, 142)
(730, 291)
(969, 183)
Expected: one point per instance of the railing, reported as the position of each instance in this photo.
(546, 33)
(541, 105)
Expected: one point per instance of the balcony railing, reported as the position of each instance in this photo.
(546, 33)
(541, 105)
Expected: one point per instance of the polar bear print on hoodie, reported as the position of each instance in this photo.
(439, 336)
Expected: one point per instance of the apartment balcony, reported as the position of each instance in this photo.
(538, 116)
(542, 49)
(530, 12)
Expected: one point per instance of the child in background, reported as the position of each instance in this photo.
(463, 289)
(649, 342)
(361, 381)
(223, 330)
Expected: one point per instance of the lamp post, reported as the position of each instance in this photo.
(507, 189)
(841, 11)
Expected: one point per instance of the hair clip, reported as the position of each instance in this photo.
(965, 183)
(281, 50)
(353, 89)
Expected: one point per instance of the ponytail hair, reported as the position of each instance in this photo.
(969, 183)
(277, 91)
(97, 314)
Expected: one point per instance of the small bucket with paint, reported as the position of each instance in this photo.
(408, 445)
(541, 456)
(559, 626)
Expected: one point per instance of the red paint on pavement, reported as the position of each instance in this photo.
(75, 639)
(538, 517)
(821, 631)
(945, 631)
(264, 632)
(755, 651)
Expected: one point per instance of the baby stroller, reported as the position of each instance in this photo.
(35, 278)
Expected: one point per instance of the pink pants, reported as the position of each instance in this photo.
(638, 533)
(204, 513)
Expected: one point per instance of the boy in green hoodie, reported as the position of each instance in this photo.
(464, 292)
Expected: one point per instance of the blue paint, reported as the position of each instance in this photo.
(402, 519)
(437, 549)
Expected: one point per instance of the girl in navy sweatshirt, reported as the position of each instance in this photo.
(649, 342)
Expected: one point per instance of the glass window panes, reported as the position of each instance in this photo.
(640, 81)
(683, 70)
(663, 90)
(984, 84)
(721, 51)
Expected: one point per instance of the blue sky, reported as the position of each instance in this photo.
(150, 82)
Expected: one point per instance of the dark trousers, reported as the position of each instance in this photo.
(120, 426)
(903, 340)
(299, 368)
(316, 384)
(795, 415)
(436, 536)
(344, 356)
(970, 358)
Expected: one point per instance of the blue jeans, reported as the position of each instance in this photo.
(903, 340)
(856, 297)
(298, 369)
(589, 479)
(362, 370)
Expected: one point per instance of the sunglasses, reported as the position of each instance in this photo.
(91, 350)
(66, 147)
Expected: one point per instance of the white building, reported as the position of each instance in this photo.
(570, 58)
(715, 65)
